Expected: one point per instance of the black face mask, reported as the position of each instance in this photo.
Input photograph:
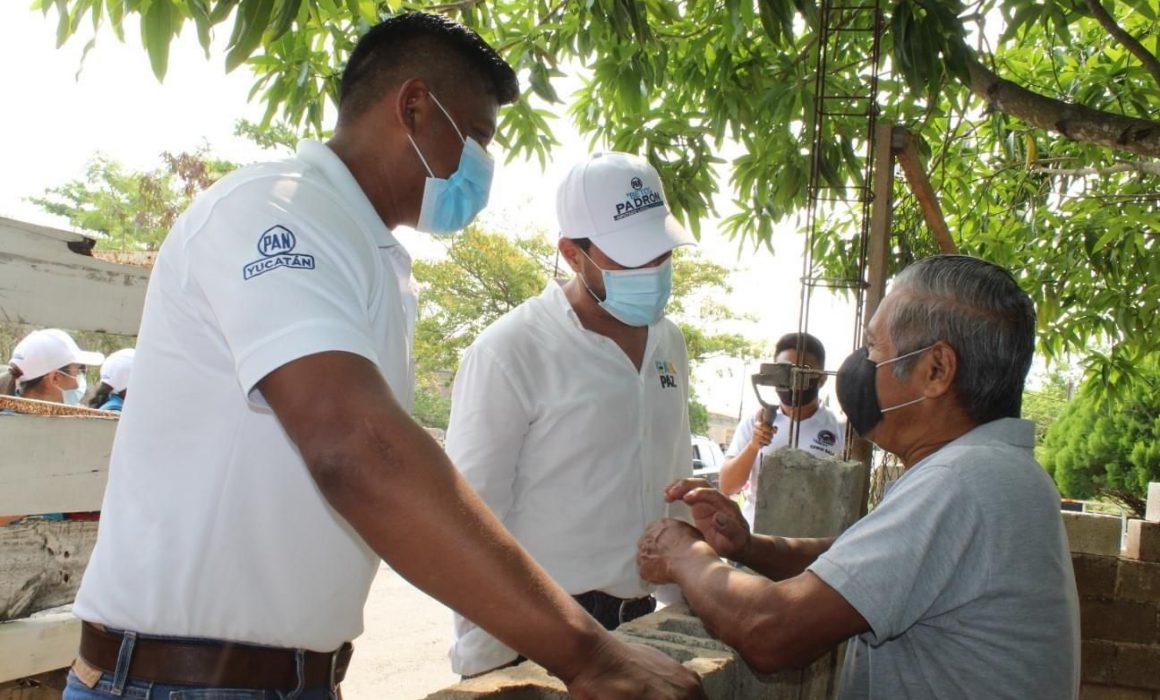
(858, 389)
(804, 397)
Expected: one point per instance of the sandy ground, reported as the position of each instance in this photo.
(402, 655)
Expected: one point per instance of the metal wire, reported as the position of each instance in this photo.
(836, 21)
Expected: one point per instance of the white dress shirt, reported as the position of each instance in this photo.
(570, 445)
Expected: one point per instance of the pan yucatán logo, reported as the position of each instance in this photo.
(639, 199)
(276, 245)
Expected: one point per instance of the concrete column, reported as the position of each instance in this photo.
(800, 495)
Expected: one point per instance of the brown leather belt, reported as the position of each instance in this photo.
(213, 663)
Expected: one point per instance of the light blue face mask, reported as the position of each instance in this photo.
(635, 297)
(72, 397)
(452, 203)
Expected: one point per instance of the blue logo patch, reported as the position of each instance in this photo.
(276, 245)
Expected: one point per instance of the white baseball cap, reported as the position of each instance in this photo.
(617, 201)
(41, 352)
(115, 371)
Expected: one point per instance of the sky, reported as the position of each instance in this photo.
(58, 114)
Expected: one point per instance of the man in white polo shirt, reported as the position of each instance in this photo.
(249, 502)
(570, 414)
(819, 431)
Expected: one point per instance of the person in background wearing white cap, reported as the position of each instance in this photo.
(47, 365)
(110, 395)
(569, 415)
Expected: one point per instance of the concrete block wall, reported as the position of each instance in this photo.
(1119, 596)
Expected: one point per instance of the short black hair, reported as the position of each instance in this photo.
(809, 344)
(438, 49)
(582, 243)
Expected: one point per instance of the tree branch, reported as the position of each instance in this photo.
(1072, 121)
(1151, 63)
(1123, 167)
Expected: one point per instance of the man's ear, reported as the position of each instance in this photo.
(411, 104)
(571, 253)
(939, 368)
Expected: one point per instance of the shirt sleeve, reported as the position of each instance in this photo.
(279, 285)
(490, 419)
(908, 559)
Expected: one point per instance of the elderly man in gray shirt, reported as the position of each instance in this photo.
(959, 584)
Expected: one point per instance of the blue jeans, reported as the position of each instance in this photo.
(144, 690)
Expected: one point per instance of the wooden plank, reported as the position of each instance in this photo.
(53, 464)
(45, 686)
(38, 645)
(907, 154)
(44, 282)
(41, 564)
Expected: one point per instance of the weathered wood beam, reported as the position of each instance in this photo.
(53, 465)
(907, 154)
(37, 645)
(41, 564)
(44, 281)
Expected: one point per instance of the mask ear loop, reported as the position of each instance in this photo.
(446, 114)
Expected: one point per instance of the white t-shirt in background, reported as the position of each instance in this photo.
(821, 435)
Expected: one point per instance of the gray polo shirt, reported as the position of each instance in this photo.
(964, 575)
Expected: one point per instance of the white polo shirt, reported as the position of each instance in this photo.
(822, 435)
(570, 445)
(212, 525)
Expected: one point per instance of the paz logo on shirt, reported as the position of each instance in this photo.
(667, 374)
(276, 244)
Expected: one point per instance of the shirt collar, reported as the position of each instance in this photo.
(319, 155)
(557, 300)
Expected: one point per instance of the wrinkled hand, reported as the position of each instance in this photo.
(717, 517)
(662, 540)
(620, 671)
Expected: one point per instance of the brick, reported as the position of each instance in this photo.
(1107, 692)
(1137, 581)
(1118, 621)
(1097, 661)
(1143, 541)
(1152, 513)
(1137, 666)
(1095, 576)
(1091, 533)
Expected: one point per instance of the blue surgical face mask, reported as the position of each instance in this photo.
(72, 397)
(453, 203)
(635, 297)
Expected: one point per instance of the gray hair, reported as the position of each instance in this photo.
(978, 309)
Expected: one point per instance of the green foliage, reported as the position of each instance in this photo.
(484, 276)
(1044, 406)
(1098, 447)
(683, 83)
(698, 417)
(133, 210)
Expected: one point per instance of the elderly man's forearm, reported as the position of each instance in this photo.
(780, 558)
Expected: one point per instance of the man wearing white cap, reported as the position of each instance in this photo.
(570, 414)
(48, 366)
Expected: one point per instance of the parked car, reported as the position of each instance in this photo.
(707, 459)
